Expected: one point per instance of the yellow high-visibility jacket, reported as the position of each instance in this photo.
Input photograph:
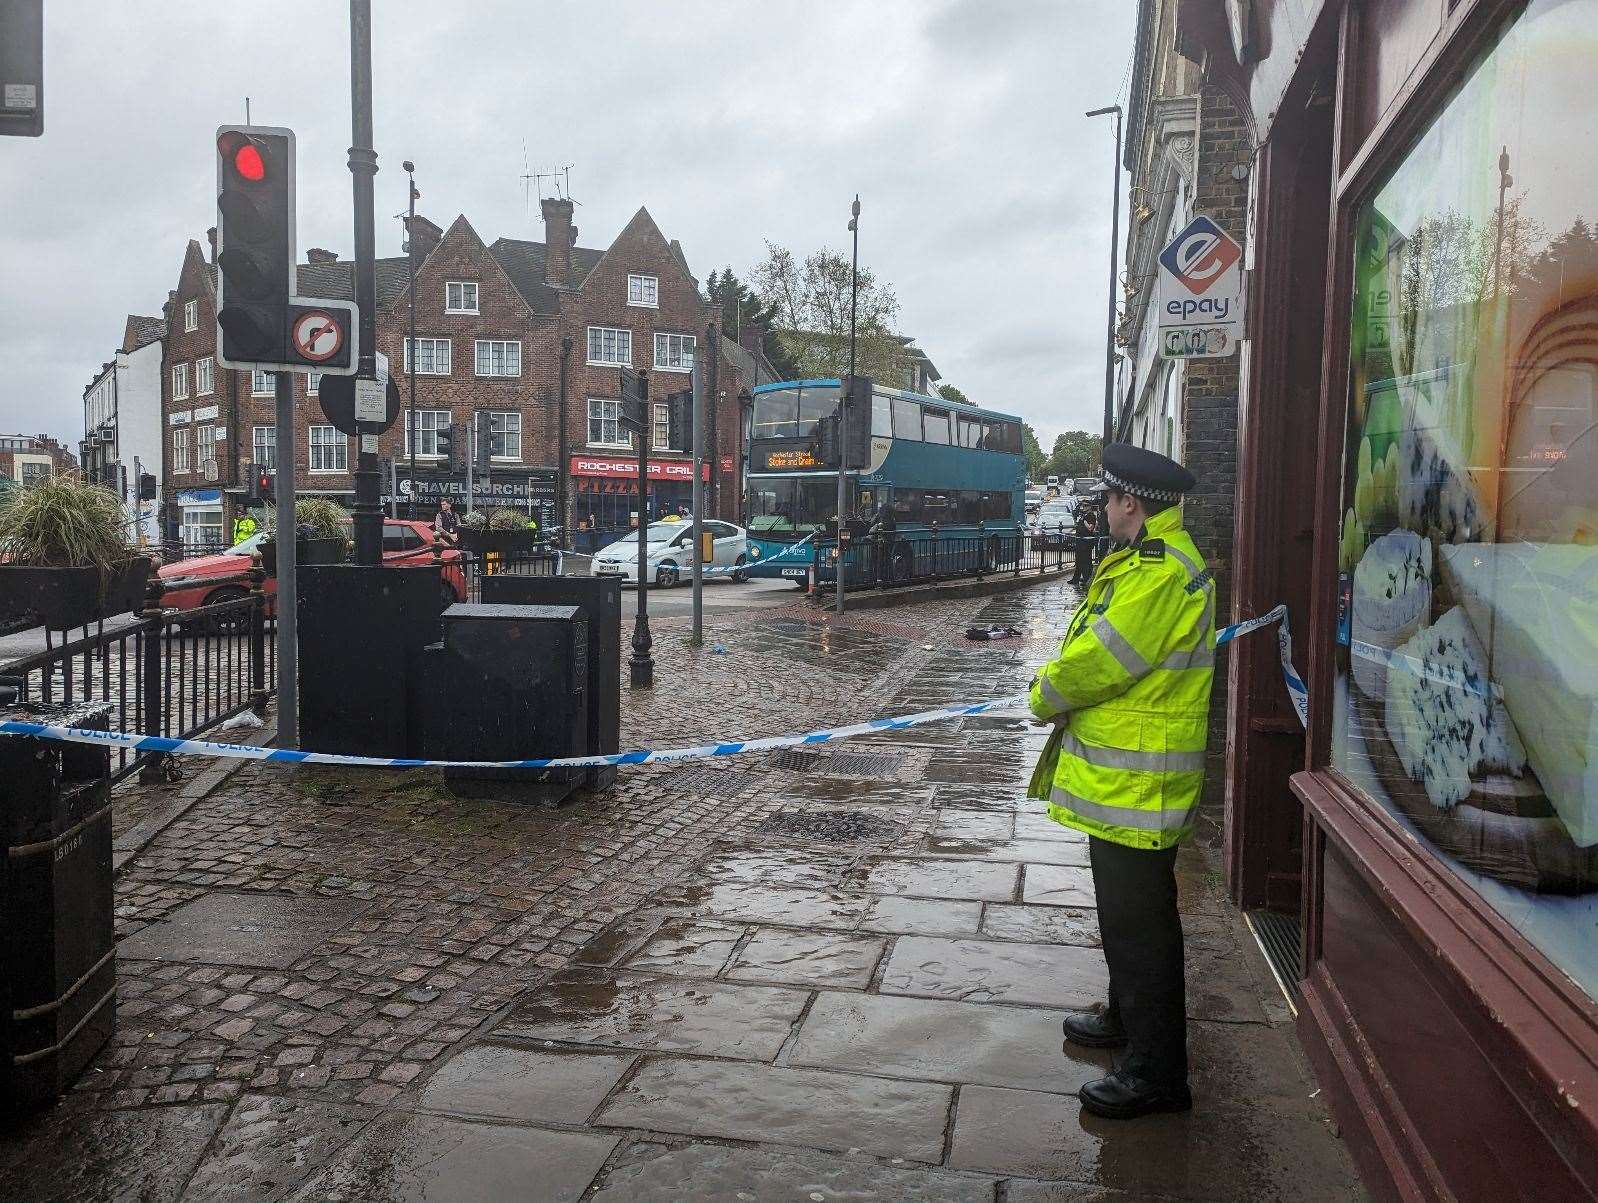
(1129, 692)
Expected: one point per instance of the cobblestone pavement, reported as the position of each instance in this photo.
(824, 974)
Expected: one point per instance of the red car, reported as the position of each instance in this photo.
(211, 579)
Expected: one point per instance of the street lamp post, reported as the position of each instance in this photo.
(410, 368)
(367, 513)
(843, 396)
(1115, 240)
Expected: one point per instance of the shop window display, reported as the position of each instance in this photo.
(1467, 696)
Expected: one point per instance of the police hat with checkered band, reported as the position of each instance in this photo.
(1143, 473)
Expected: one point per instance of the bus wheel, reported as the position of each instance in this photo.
(903, 564)
(740, 570)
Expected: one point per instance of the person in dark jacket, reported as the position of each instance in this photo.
(1087, 534)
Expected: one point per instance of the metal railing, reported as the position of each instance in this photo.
(881, 560)
(174, 673)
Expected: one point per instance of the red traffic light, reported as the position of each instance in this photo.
(243, 156)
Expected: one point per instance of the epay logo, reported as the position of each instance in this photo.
(1200, 254)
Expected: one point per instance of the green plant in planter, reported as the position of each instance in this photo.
(507, 519)
(64, 522)
(476, 520)
(319, 518)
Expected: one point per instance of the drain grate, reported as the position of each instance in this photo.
(831, 826)
(839, 764)
(708, 781)
(1279, 937)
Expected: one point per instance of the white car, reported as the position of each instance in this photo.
(671, 550)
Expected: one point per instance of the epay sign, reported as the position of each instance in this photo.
(1200, 292)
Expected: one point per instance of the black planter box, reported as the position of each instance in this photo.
(505, 542)
(57, 933)
(71, 597)
(307, 551)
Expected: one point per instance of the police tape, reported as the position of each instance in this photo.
(202, 747)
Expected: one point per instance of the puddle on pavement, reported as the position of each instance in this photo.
(942, 879)
(765, 904)
(807, 958)
(811, 869)
(550, 1085)
(687, 949)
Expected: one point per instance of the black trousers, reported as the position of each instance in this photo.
(1082, 573)
(1142, 932)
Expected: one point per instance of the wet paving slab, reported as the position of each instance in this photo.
(1041, 924)
(635, 1011)
(266, 931)
(1019, 851)
(433, 1159)
(739, 901)
(1047, 975)
(1059, 885)
(974, 825)
(106, 1157)
(971, 880)
(688, 948)
(716, 1173)
(1249, 1153)
(1032, 822)
(945, 1042)
(783, 956)
(271, 1145)
(529, 1085)
(921, 916)
(815, 1108)
(811, 868)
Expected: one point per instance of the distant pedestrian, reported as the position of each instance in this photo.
(446, 526)
(1087, 537)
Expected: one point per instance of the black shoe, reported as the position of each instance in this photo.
(1124, 1095)
(1092, 1030)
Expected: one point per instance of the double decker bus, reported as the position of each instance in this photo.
(952, 477)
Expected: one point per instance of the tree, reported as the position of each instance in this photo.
(1076, 453)
(809, 301)
(949, 393)
(1032, 450)
(742, 309)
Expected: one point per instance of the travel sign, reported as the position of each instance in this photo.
(1200, 292)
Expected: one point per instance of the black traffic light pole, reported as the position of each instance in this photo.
(412, 427)
(368, 511)
(642, 662)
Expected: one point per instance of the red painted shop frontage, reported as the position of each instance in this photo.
(605, 490)
(1418, 420)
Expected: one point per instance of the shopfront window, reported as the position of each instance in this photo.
(1467, 696)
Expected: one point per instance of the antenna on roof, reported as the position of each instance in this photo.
(527, 178)
(561, 178)
(246, 110)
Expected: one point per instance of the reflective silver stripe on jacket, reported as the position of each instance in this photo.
(1121, 816)
(1050, 694)
(1123, 758)
(1202, 656)
(1125, 654)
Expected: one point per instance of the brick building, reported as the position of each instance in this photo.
(1188, 153)
(494, 325)
(25, 458)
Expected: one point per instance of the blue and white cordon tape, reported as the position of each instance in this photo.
(204, 747)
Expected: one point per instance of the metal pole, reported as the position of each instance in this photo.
(843, 399)
(412, 426)
(288, 639)
(1115, 240)
(368, 510)
(471, 458)
(563, 465)
(699, 498)
(642, 663)
(712, 408)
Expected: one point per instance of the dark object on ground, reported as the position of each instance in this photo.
(993, 632)
(1124, 1095)
(57, 932)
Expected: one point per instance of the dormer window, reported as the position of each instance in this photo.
(643, 290)
(460, 296)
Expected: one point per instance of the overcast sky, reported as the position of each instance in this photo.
(959, 122)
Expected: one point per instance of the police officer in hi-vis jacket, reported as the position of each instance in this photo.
(1128, 694)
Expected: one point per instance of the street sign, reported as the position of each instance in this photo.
(339, 396)
(22, 67)
(317, 335)
(1200, 292)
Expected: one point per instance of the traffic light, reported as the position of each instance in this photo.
(255, 243)
(680, 421)
(634, 413)
(824, 442)
(445, 439)
(857, 413)
(260, 485)
(147, 486)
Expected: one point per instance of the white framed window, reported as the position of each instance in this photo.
(180, 381)
(504, 435)
(674, 352)
(180, 449)
(191, 315)
(432, 356)
(460, 296)
(201, 525)
(661, 438)
(329, 450)
(496, 358)
(263, 384)
(428, 423)
(610, 347)
(313, 383)
(643, 290)
(204, 376)
(604, 424)
(205, 443)
(263, 447)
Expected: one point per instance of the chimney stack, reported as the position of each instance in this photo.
(559, 238)
(424, 236)
(319, 254)
(751, 339)
(210, 236)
